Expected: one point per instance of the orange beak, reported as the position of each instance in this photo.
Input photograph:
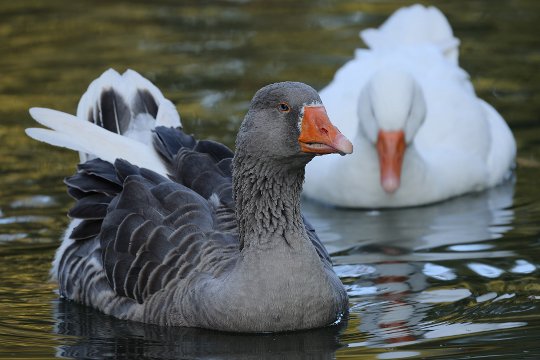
(318, 135)
(391, 149)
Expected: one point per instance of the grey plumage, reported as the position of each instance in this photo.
(220, 243)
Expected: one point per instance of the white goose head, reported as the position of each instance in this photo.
(391, 109)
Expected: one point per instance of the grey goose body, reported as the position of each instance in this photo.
(207, 238)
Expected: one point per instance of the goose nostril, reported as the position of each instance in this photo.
(323, 130)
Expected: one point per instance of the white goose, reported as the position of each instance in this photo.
(420, 133)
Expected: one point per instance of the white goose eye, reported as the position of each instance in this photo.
(284, 107)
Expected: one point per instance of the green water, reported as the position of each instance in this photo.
(455, 280)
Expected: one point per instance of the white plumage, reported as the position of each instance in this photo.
(80, 134)
(409, 80)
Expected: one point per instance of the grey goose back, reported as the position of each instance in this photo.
(174, 231)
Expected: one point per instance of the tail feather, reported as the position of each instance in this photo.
(126, 104)
(115, 119)
(136, 92)
(414, 25)
(149, 99)
(68, 131)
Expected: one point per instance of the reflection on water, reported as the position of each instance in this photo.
(98, 336)
(394, 293)
(454, 280)
(398, 308)
(464, 220)
(395, 303)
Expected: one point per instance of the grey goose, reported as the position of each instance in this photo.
(174, 231)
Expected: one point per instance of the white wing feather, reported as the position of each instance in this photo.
(70, 132)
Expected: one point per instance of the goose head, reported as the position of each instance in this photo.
(391, 109)
(288, 122)
(285, 127)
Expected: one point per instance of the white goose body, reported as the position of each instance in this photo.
(409, 81)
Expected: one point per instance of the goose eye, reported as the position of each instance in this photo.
(284, 107)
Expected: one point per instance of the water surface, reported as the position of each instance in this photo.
(455, 280)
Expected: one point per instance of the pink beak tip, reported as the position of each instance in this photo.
(390, 184)
(344, 145)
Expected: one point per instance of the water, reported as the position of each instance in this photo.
(455, 280)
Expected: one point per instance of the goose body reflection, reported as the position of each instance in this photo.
(470, 219)
(404, 252)
(94, 335)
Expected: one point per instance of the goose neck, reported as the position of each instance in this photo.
(267, 196)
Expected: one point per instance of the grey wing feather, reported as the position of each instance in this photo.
(149, 229)
(321, 249)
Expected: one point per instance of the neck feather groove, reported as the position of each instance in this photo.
(267, 197)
